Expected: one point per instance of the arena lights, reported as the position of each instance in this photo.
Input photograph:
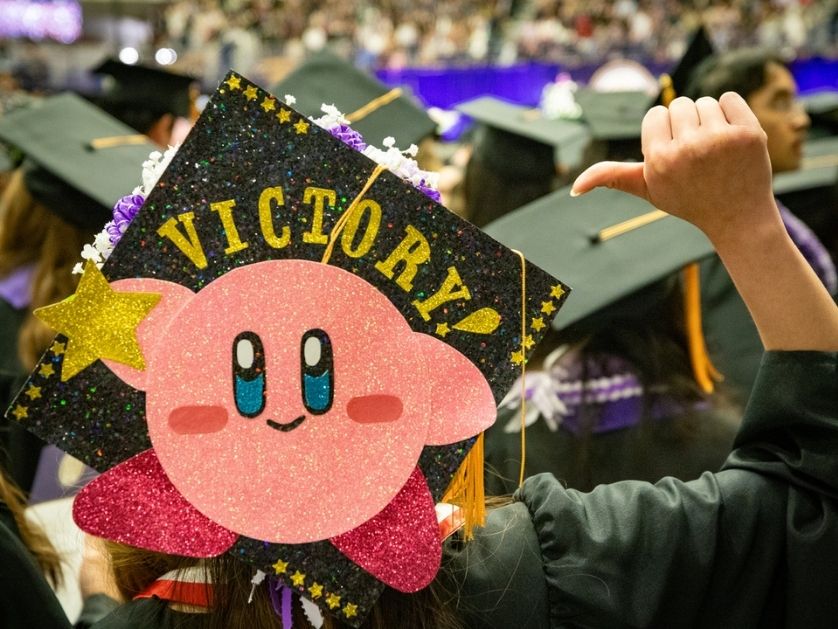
(165, 56)
(129, 55)
(56, 19)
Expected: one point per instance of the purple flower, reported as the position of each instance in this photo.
(123, 213)
(428, 191)
(349, 136)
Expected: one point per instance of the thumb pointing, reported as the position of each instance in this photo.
(627, 177)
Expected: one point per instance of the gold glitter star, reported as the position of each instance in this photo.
(528, 341)
(33, 392)
(251, 93)
(518, 357)
(284, 115)
(100, 323)
(556, 291)
(333, 601)
(301, 127)
(537, 324)
(269, 104)
(280, 566)
(20, 412)
(46, 370)
(442, 329)
(547, 307)
(316, 590)
(58, 348)
(298, 578)
(350, 610)
(234, 82)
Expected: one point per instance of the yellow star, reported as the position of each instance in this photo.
(301, 127)
(556, 291)
(350, 610)
(234, 82)
(99, 323)
(46, 370)
(316, 590)
(33, 392)
(537, 324)
(298, 578)
(442, 329)
(284, 115)
(251, 93)
(20, 412)
(528, 341)
(280, 566)
(58, 348)
(547, 307)
(333, 601)
(518, 357)
(269, 104)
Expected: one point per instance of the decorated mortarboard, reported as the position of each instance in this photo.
(521, 140)
(78, 158)
(144, 87)
(286, 357)
(607, 244)
(375, 110)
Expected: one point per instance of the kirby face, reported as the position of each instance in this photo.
(289, 400)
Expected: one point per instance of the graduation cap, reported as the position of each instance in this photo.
(79, 159)
(147, 88)
(521, 141)
(608, 245)
(819, 167)
(280, 309)
(375, 110)
(675, 83)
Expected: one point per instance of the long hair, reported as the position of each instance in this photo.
(31, 534)
(31, 234)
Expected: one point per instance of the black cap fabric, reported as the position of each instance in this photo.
(79, 160)
(699, 48)
(562, 234)
(325, 78)
(144, 87)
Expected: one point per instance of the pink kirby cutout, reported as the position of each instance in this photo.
(134, 503)
(306, 452)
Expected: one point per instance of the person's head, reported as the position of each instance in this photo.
(762, 78)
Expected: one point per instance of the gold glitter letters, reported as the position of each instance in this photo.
(452, 288)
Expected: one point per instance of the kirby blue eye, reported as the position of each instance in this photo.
(318, 371)
(249, 374)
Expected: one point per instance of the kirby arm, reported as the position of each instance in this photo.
(707, 162)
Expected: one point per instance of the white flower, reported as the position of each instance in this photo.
(290, 99)
(91, 253)
(78, 269)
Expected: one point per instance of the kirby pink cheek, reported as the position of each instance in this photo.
(374, 409)
(196, 420)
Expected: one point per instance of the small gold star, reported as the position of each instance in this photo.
(556, 291)
(547, 307)
(251, 93)
(442, 329)
(20, 412)
(269, 104)
(528, 341)
(234, 82)
(99, 323)
(537, 324)
(58, 348)
(46, 370)
(284, 115)
(33, 392)
(298, 578)
(301, 127)
(518, 357)
(280, 566)
(316, 590)
(350, 610)
(333, 601)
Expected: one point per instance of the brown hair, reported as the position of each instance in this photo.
(31, 535)
(32, 234)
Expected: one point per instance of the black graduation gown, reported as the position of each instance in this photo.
(754, 545)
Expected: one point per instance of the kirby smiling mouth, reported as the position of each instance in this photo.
(286, 427)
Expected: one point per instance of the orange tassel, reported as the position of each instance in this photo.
(703, 370)
(466, 489)
(667, 90)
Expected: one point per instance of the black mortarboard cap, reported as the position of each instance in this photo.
(144, 87)
(606, 243)
(699, 48)
(379, 111)
(79, 160)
